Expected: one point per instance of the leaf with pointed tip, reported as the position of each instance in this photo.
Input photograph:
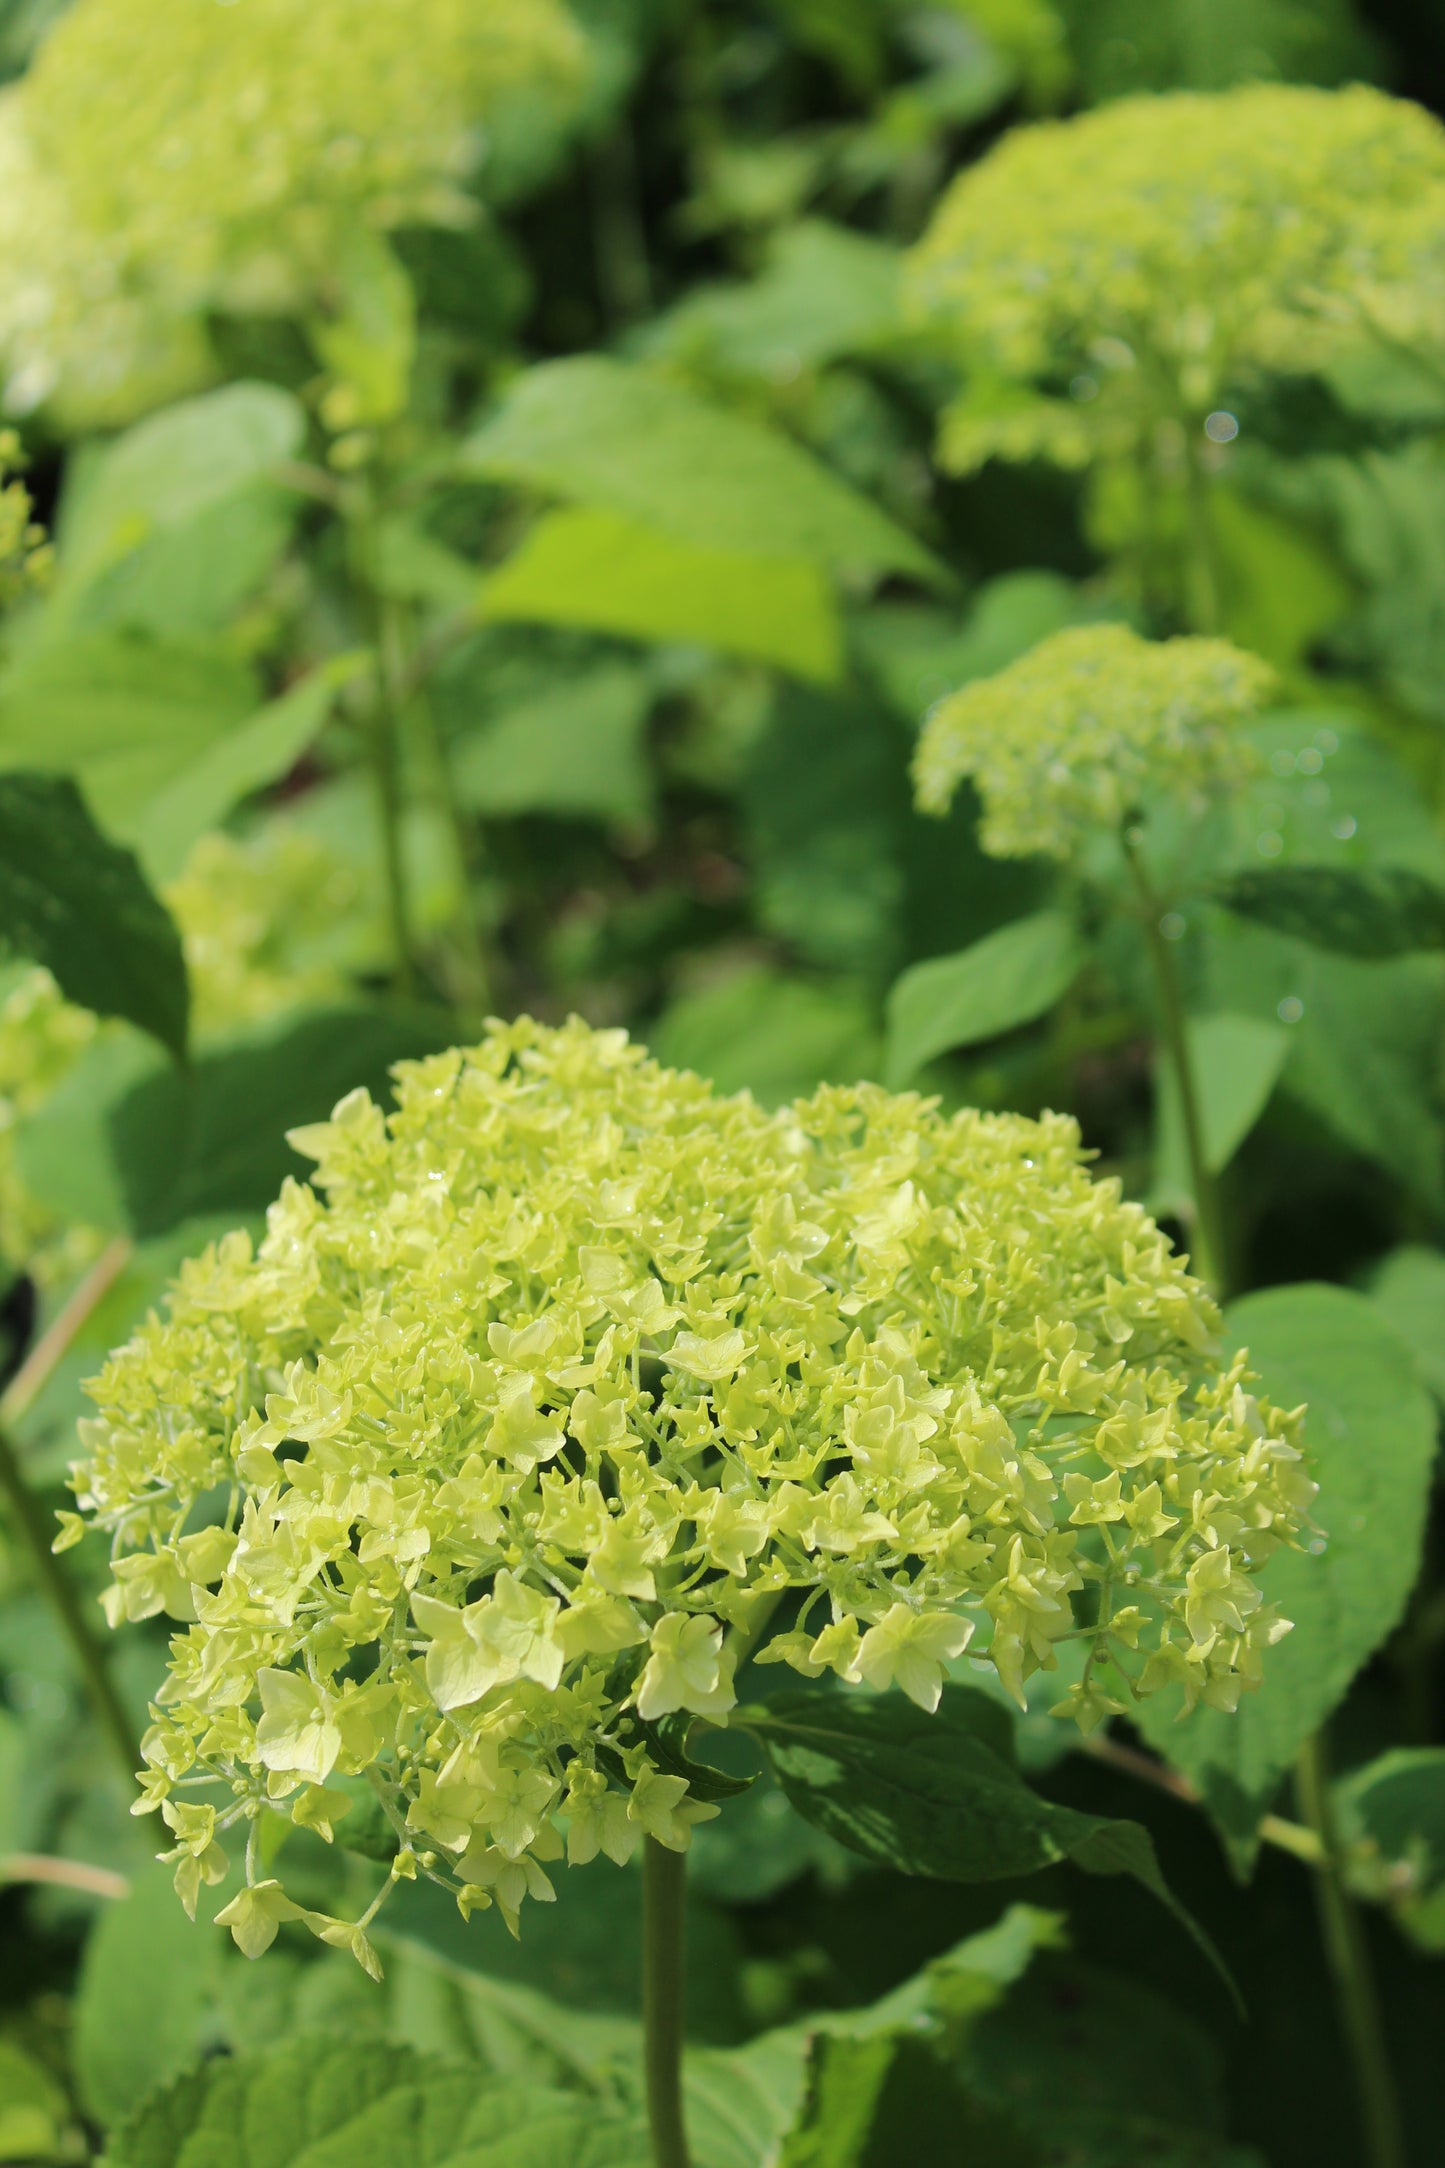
(79, 904)
(1372, 913)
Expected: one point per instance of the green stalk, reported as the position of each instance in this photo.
(33, 1527)
(1349, 1961)
(1209, 1254)
(1201, 570)
(383, 740)
(664, 1887)
(34, 1530)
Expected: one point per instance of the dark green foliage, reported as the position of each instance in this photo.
(79, 904)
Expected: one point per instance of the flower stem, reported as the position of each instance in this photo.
(1208, 1243)
(664, 1885)
(30, 1524)
(1349, 1959)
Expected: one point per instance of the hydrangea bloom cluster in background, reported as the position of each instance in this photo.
(1113, 276)
(1069, 740)
(163, 158)
(572, 1379)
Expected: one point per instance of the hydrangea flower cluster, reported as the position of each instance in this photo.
(1110, 278)
(571, 1381)
(1070, 739)
(266, 923)
(164, 157)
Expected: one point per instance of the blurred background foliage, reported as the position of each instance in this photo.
(501, 562)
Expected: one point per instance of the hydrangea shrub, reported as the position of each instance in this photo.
(1070, 739)
(572, 1379)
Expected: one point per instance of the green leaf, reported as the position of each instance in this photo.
(262, 749)
(596, 569)
(35, 2122)
(64, 1152)
(604, 433)
(937, 1795)
(574, 751)
(770, 1033)
(212, 1138)
(1397, 1804)
(73, 901)
(121, 713)
(1373, 914)
(826, 290)
(1236, 1063)
(1410, 1288)
(827, 826)
(1364, 1037)
(1050, 2051)
(333, 2104)
(916, 652)
(168, 470)
(127, 2042)
(1008, 978)
(1370, 1432)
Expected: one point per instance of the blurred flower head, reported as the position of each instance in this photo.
(164, 158)
(571, 1380)
(1108, 279)
(1074, 737)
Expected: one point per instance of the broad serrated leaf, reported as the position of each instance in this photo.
(79, 904)
(595, 569)
(124, 2044)
(1370, 1431)
(937, 1795)
(1009, 978)
(1371, 913)
(333, 2104)
(603, 433)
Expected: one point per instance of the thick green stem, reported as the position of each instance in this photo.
(383, 738)
(664, 1887)
(1201, 569)
(32, 1526)
(1209, 1255)
(1349, 1960)
(385, 749)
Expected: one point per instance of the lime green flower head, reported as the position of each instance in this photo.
(164, 157)
(258, 920)
(1146, 254)
(1073, 737)
(571, 1380)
